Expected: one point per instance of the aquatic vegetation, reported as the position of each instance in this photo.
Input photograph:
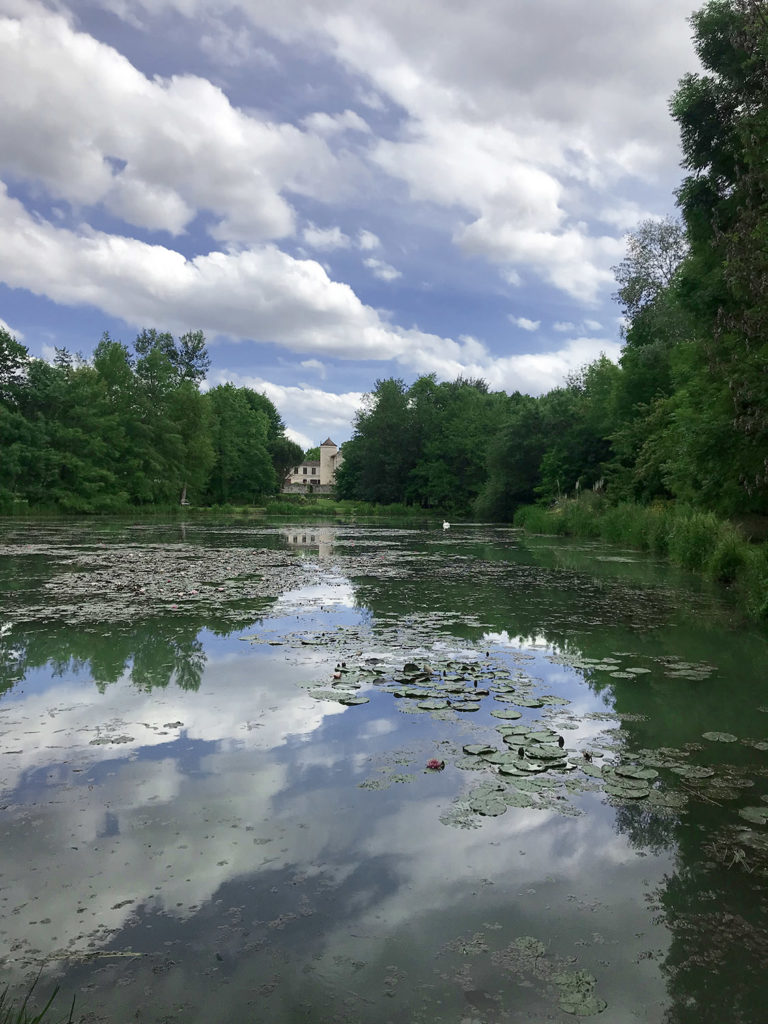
(11, 1013)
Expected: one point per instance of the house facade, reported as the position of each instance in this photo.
(316, 476)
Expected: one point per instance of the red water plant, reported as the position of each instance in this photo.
(434, 765)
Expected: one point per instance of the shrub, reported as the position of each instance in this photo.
(691, 538)
(728, 557)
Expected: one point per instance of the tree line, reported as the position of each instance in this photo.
(130, 427)
(684, 415)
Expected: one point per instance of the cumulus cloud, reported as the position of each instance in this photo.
(152, 151)
(325, 238)
(563, 325)
(314, 365)
(524, 323)
(366, 240)
(315, 410)
(7, 327)
(332, 124)
(257, 293)
(509, 113)
(384, 271)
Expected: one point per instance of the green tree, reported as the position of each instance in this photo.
(723, 119)
(242, 468)
(379, 456)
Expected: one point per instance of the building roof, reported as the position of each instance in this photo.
(328, 442)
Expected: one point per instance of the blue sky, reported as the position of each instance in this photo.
(334, 192)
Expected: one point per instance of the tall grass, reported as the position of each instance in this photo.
(10, 1013)
(688, 537)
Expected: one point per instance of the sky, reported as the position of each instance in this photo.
(334, 191)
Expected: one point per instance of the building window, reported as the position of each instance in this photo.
(304, 471)
(295, 469)
(314, 470)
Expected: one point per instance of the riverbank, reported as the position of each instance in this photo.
(291, 507)
(688, 537)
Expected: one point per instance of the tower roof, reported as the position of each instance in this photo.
(328, 442)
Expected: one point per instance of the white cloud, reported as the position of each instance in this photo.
(259, 293)
(153, 151)
(593, 325)
(333, 124)
(564, 325)
(14, 333)
(316, 411)
(302, 440)
(366, 240)
(382, 270)
(508, 117)
(315, 365)
(524, 323)
(325, 238)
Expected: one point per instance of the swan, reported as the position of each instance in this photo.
(446, 525)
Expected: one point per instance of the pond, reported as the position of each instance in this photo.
(346, 773)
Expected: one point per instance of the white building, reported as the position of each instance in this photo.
(316, 476)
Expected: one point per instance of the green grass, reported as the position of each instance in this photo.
(304, 506)
(10, 1013)
(688, 537)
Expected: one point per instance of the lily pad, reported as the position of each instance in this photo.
(471, 764)
(490, 804)
(720, 737)
(757, 815)
(633, 772)
(478, 748)
(577, 993)
(433, 704)
(507, 713)
(693, 771)
(626, 792)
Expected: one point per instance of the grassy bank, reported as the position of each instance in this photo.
(306, 506)
(291, 506)
(688, 537)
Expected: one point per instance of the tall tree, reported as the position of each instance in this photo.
(723, 119)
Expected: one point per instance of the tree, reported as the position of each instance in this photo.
(379, 456)
(242, 468)
(723, 119)
(655, 250)
(285, 454)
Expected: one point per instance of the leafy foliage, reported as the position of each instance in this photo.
(131, 428)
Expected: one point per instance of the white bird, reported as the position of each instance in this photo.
(446, 526)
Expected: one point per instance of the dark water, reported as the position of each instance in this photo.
(194, 829)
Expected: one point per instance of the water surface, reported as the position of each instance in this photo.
(197, 828)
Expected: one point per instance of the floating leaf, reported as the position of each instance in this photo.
(490, 804)
(626, 792)
(478, 748)
(757, 815)
(508, 713)
(693, 771)
(720, 737)
(577, 993)
(472, 764)
(433, 704)
(633, 772)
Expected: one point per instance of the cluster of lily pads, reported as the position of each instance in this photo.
(531, 766)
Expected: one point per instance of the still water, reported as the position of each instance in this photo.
(215, 804)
